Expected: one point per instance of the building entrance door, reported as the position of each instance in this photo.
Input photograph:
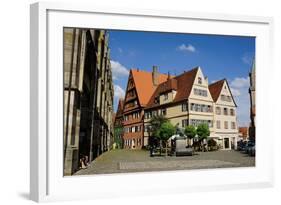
(226, 143)
(233, 143)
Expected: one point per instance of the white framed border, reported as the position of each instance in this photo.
(46, 176)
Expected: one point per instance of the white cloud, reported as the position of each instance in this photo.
(118, 70)
(118, 91)
(240, 82)
(188, 48)
(235, 92)
(247, 58)
(239, 88)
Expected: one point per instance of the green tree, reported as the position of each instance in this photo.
(118, 130)
(155, 124)
(190, 132)
(165, 132)
(203, 132)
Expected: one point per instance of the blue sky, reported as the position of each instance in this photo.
(219, 57)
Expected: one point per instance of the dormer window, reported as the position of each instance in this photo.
(199, 80)
(166, 96)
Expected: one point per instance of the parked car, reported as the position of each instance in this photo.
(241, 145)
(249, 146)
(252, 151)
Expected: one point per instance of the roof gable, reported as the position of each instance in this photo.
(185, 84)
(181, 83)
(200, 85)
(215, 89)
(144, 84)
(221, 87)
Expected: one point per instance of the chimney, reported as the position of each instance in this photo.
(155, 75)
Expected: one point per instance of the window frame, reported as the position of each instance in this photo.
(218, 122)
(226, 125)
(166, 96)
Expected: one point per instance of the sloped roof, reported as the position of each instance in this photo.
(144, 84)
(120, 107)
(170, 84)
(243, 131)
(182, 84)
(215, 89)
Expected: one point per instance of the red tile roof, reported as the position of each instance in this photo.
(185, 83)
(215, 89)
(244, 131)
(170, 84)
(182, 84)
(144, 84)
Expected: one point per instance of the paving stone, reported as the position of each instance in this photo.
(183, 164)
(124, 161)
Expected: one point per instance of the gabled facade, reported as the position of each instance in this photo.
(140, 87)
(226, 129)
(188, 99)
(119, 114)
(201, 102)
(118, 125)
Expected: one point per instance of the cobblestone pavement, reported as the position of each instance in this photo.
(122, 161)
